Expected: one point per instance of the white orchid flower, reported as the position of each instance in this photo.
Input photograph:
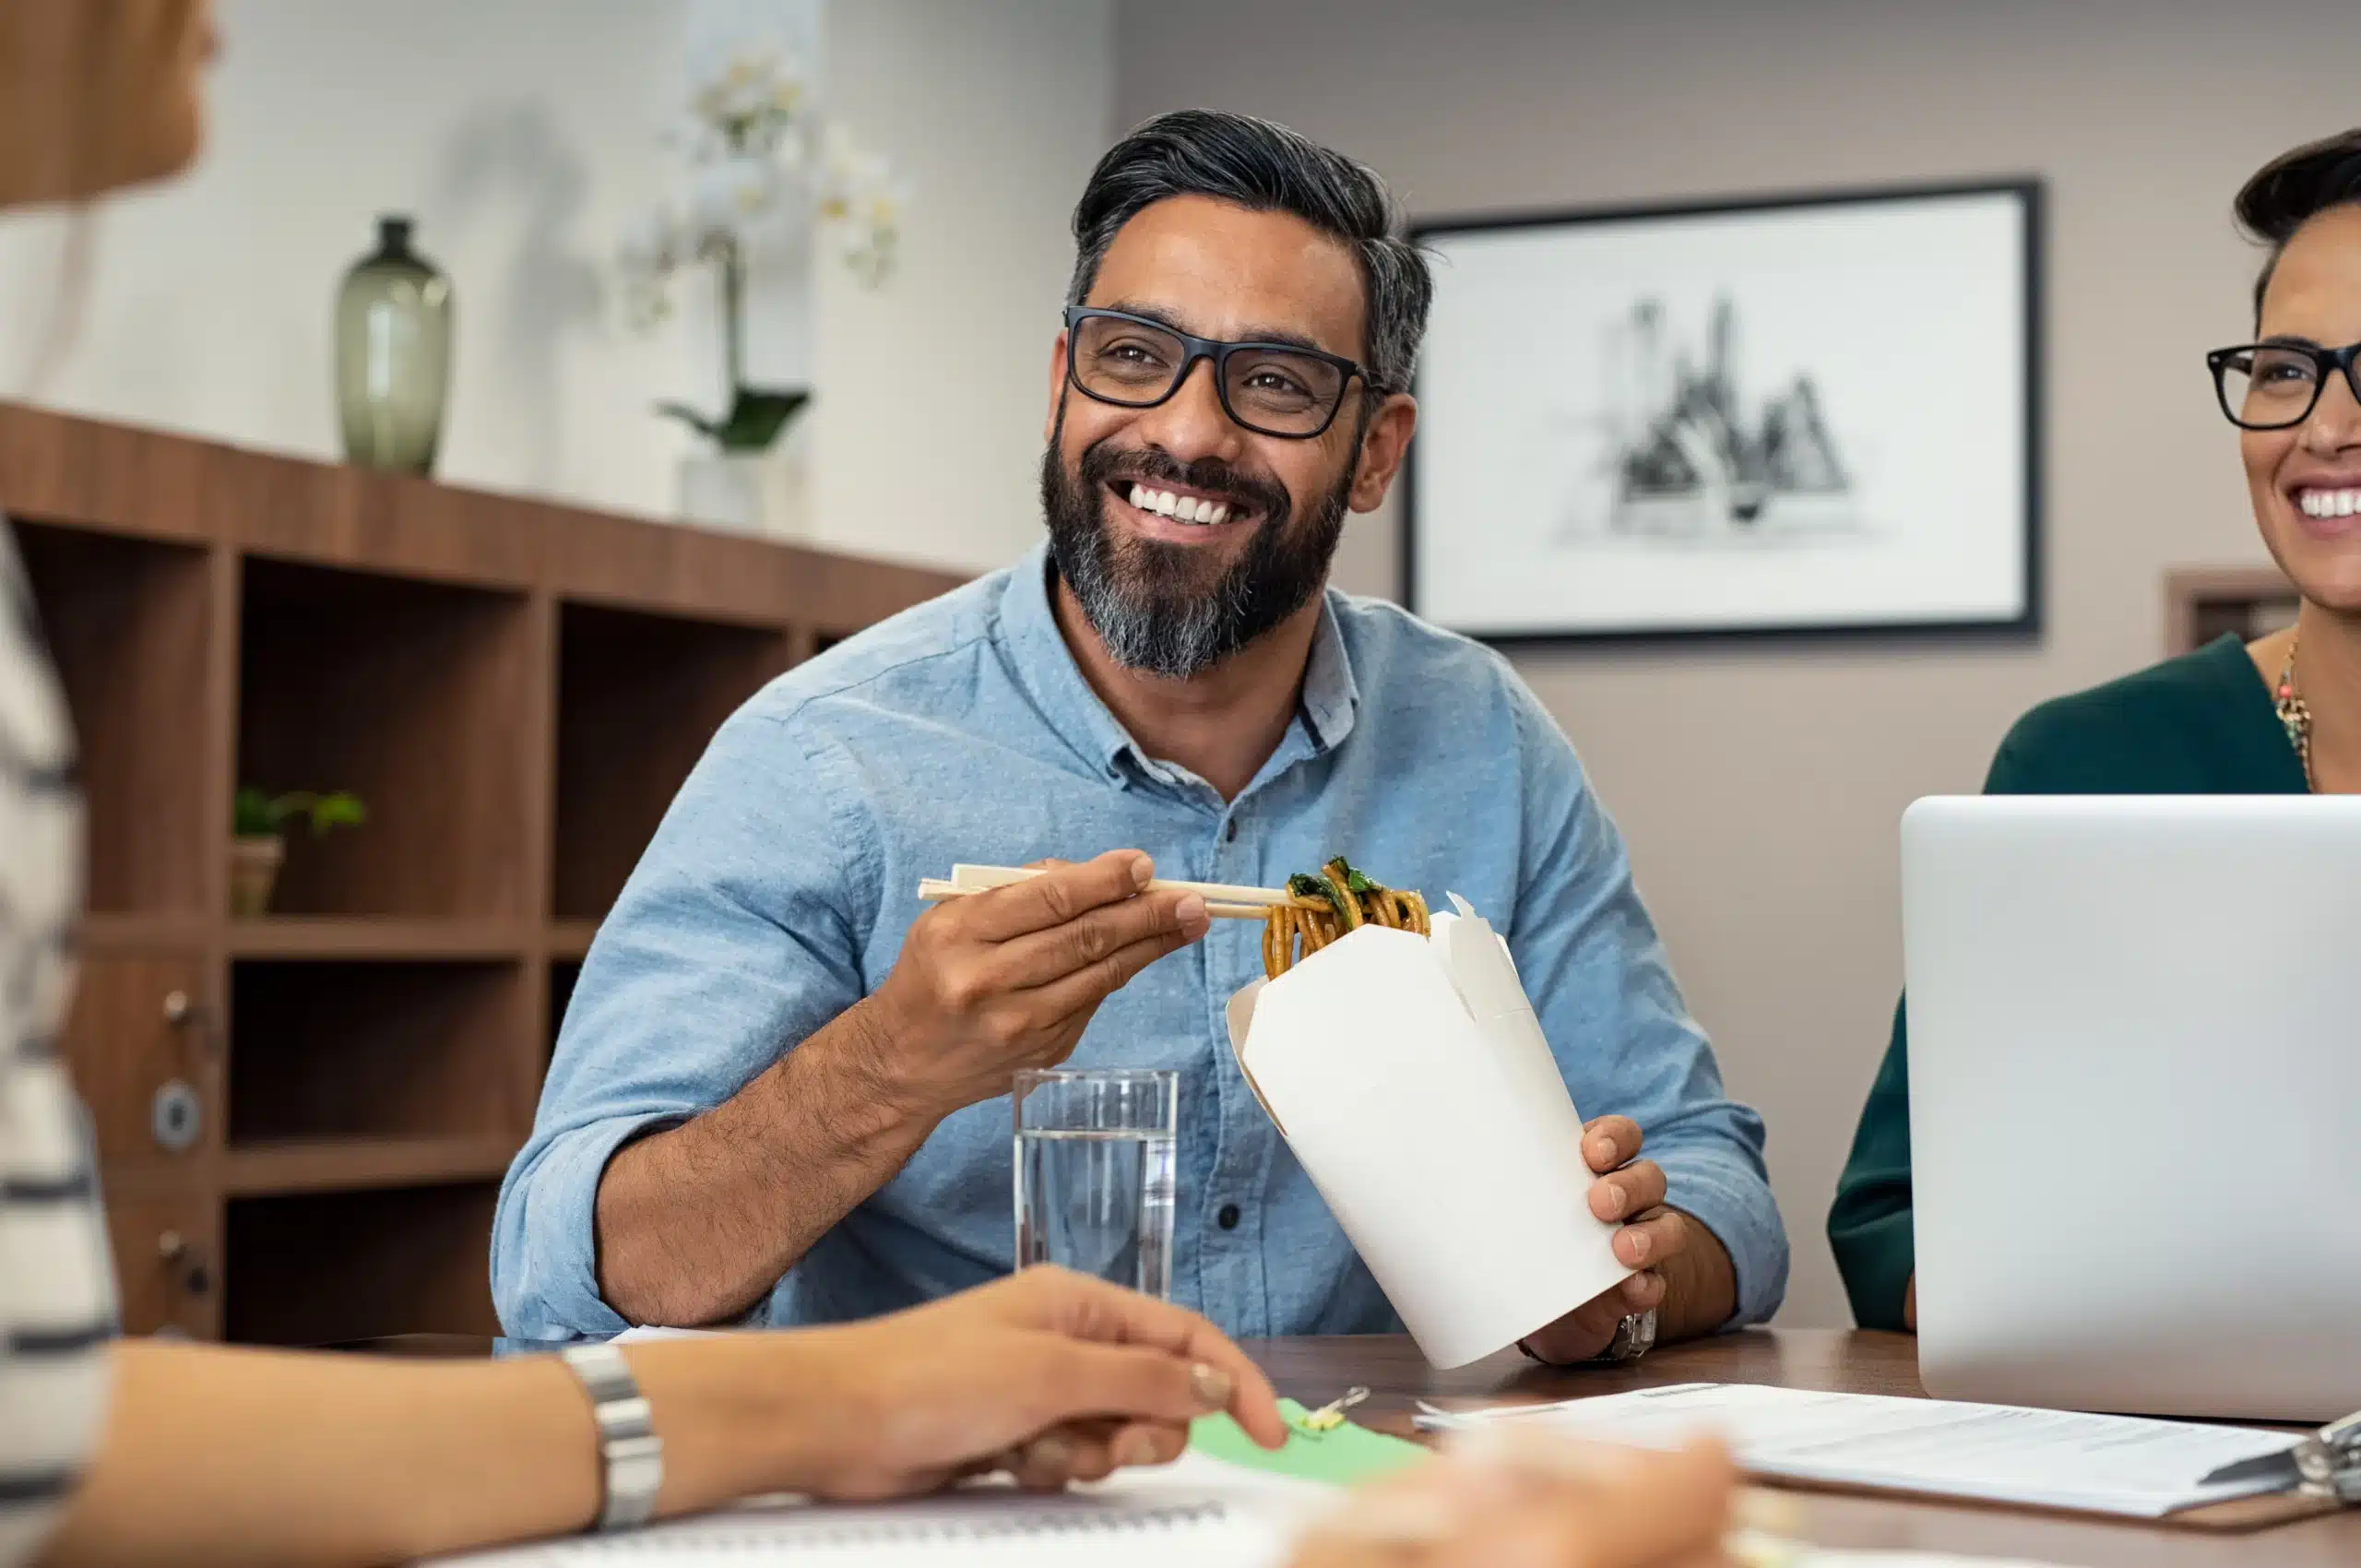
(731, 196)
(762, 163)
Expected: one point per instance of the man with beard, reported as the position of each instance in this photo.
(779, 1096)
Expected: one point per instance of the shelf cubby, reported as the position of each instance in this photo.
(325, 1268)
(638, 696)
(419, 697)
(563, 972)
(130, 623)
(332, 1050)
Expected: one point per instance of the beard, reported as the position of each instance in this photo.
(1164, 609)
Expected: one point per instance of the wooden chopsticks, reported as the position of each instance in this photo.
(1223, 900)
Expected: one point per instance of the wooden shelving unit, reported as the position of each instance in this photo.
(2201, 603)
(303, 1119)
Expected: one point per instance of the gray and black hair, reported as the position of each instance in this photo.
(2293, 189)
(1267, 168)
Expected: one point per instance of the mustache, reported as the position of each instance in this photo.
(1103, 464)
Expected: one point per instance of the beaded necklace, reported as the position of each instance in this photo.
(2296, 717)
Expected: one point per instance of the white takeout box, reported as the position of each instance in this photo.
(1412, 1080)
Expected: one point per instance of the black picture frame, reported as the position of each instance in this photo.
(2025, 627)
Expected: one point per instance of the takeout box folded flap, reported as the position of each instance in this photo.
(1446, 1143)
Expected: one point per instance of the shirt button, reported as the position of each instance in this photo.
(1227, 1217)
(1231, 832)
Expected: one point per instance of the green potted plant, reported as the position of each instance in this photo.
(256, 848)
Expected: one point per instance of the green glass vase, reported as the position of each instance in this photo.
(393, 354)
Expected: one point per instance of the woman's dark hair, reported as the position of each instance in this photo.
(1253, 164)
(2293, 189)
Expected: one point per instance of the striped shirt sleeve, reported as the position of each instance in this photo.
(57, 1306)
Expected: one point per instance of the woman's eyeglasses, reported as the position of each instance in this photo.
(1271, 388)
(2275, 385)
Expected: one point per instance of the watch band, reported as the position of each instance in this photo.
(630, 1454)
(1635, 1337)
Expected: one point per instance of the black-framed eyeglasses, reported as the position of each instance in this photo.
(2276, 385)
(1272, 389)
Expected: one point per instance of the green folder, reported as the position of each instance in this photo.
(1339, 1456)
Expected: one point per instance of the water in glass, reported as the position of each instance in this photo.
(1094, 1176)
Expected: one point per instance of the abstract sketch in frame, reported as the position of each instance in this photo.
(1794, 416)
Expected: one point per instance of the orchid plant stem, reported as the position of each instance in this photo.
(734, 329)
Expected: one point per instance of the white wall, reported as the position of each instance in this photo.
(523, 136)
(1759, 786)
(927, 434)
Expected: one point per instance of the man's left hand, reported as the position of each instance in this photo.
(1629, 1190)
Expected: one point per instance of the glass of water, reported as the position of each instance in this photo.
(1095, 1156)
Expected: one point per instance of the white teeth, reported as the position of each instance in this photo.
(1180, 509)
(2345, 501)
(2329, 502)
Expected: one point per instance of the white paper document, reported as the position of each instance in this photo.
(1196, 1512)
(2124, 1465)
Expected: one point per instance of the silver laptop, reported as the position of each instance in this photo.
(2135, 1101)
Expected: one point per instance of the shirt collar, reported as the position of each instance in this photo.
(1330, 696)
(1046, 667)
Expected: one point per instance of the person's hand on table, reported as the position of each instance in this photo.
(1525, 1499)
(997, 981)
(1629, 1190)
(1049, 1376)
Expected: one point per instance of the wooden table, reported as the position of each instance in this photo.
(1316, 1370)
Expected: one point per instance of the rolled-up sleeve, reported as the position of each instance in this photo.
(1598, 977)
(738, 935)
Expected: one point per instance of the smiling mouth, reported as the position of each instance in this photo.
(2324, 502)
(1188, 506)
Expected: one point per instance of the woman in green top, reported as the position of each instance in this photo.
(2282, 716)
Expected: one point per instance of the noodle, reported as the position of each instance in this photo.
(1322, 908)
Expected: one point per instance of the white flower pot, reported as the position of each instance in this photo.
(758, 492)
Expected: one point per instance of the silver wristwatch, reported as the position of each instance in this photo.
(1635, 1337)
(629, 1450)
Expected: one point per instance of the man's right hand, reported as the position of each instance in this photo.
(696, 1223)
(994, 982)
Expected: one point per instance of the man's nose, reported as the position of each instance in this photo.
(1191, 423)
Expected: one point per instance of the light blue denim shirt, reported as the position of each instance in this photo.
(779, 887)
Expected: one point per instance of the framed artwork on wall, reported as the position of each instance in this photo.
(1807, 415)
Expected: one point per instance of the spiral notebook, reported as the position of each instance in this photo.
(1199, 1511)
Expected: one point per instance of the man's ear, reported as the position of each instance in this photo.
(1057, 386)
(1383, 446)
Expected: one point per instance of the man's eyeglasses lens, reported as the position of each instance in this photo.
(1276, 391)
(2266, 386)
